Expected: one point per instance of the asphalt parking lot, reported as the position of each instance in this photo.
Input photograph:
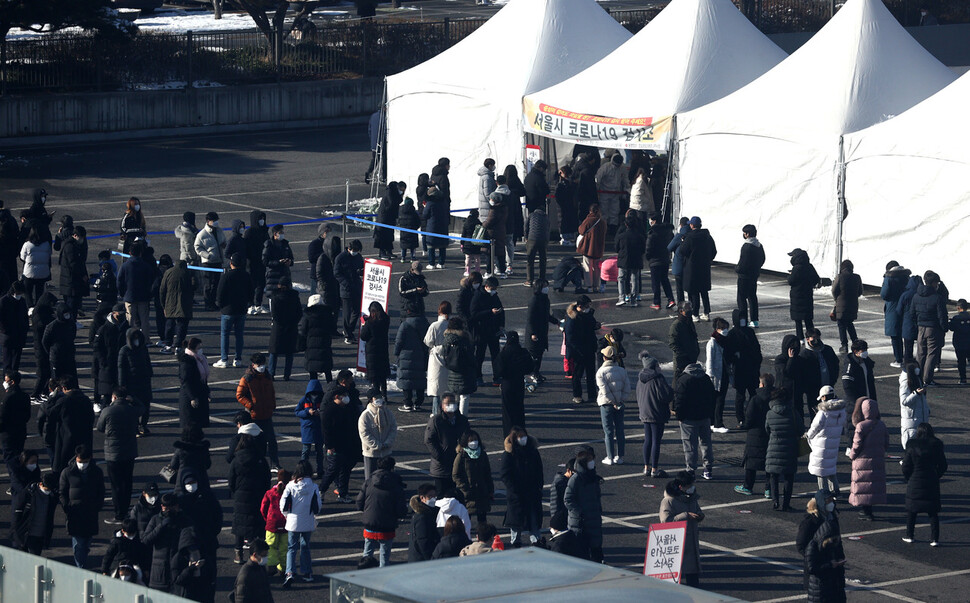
(748, 550)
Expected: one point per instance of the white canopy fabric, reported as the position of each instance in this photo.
(769, 154)
(704, 49)
(907, 188)
(466, 103)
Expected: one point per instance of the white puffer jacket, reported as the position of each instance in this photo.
(641, 197)
(825, 437)
(300, 494)
(210, 246)
(714, 366)
(612, 384)
(434, 339)
(378, 430)
(913, 410)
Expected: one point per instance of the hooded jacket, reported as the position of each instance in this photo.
(272, 510)
(423, 537)
(249, 479)
(677, 506)
(747, 353)
(434, 339)
(441, 437)
(584, 505)
(315, 333)
(300, 502)
(536, 189)
(631, 245)
(593, 230)
(186, 233)
(790, 371)
(674, 246)
(913, 410)
(694, 394)
(923, 465)
(176, 291)
(408, 218)
(496, 217)
(191, 458)
(893, 284)
(803, 279)
(613, 385)
(699, 252)
(654, 394)
(383, 502)
(119, 424)
(412, 355)
(751, 260)
(825, 437)
(682, 339)
(287, 310)
(486, 186)
(826, 583)
(929, 308)
(59, 341)
(579, 330)
(756, 435)
(473, 479)
(311, 429)
(846, 289)
(37, 260)
(255, 237)
(210, 244)
(378, 430)
(135, 367)
(868, 454)
(783, 430)
(236, 242)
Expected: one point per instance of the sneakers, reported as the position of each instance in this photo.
(344, 499)
(696, 318)
(659, 474)
(654, 306)
(288, 581)
(934, 543)
(754, 324)
(767, 494)
(438, 266)
(577, 400)
(720, 429)
(405, 408)
(527, 283)
(238, 557)
(508, 270)
(742, 490)
(502, 275)
(907, 540)
(617, 460)
(97, 409)
(607, 461)
(237, 363)
(112, 522)
(708, 474)
(307, 578)
(622, 302)
(466, 273)
(634, 304)
(602, 288)
(262, 309)
(896, 365)
(429, 267)
(671, 304)
(168, 350)
(349, 341)
(220, 364)
(706, 317)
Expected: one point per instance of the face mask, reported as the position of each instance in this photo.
(31, 466)
(587, 310)
(129, 536)
(378, 403)
(190, 488)
(591, 465)
(18, 296)
(135, 342)
(476, 285)
(690, 490)
(261, 368)
(263, 560)
(215, 223)
(345, 400)
(6, 385)
(151, 499)
(355, 253)
(493, 292)
(431, 501)
(544, 291)
(473, 445)
(67, 316)
(138, 208)
(114, 400)
(83, 466)
(450, 408)
(44, 491)
(491, 202)
(916, 370)
(199, 352)
(864, 354)
(829, 507)
(723, 331)
(262, 222)
(127, 578)
(523, 440)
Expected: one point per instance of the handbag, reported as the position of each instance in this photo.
(579, 239)
(479, 232)
(804, 448)
(168, 474)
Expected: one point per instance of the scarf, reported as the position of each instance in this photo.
(202, 363)
(473, 454)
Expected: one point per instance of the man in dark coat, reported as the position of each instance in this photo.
(255, 237)
(82, 496)
(631, 244)
(748, 269)
(232, 297)
(176, 294)
(423, 537)
(693, 406)
(125, 548)
(14, 325)
(340, 434)
(791, 373)
(70, 420)
(200, 505)
(579, 332)
(928, 311)
(747, 362)
(326, 282)
(536, 186)
(14, 416)
(821, 368)
(277, 257)
(108, 341)
(165, 535)
(658, 258)
(521, 472)
(412, 361)
(538, 319)
(252, 582)
(348, 269)
(803, 280)
(59, 341)
(10, 243)
(315, 249)
(486, 323)
(699, 251)
(413, 289)
(858, 379)
(441, 438)
(437, 216)
(119, 424)
(682, 340)
(315, 333)
(287, 310)
(74, 274)
(135, 286)
(584, 174)
(135, 373)
(562, 540)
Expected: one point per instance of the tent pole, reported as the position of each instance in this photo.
(378, 176)
(670, 187)
(840, 194)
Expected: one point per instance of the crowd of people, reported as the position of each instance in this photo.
(169, 540)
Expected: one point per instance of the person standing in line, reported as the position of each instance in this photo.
(846, 289)
(923, 466)
(677, 267)
(59, 342)
(276, 535)
(74, 274)
(825, 439)
(348, 268)
(383, 503)
(537, 240)
(747, 363)
(821, 368)
(135, 287)
(521, 472)
(255, 238)
(631, 245)
(82, 497)
(42, 316)
(825, 565)
(437, 216)
(340, 417)
(566, 203)
(613, 388)
(38, 514)
(72, 420)
(654, 396)
(910, 330)
(928, 311)
(408, 218)
(756, 438)
(472, 251)
(472, 475)
(135, 374)
(423, 536)
(612, 183)
(699, 252)
(311, 429)
(36, 256)
(868, 455)
(858, 378)
(459, 358)
(119, 424)
(959, 326)
(659, 237)
(441, 437)
(194, 394)
(781, 460)
(913, 408)
(412, 360)
(803, 280)
(191, 456)
(133, 226)
(514, 224)
(514, 363)
(641, 195)
(164, 534)
(232, 297)
(680, 503)
(591, 243)
(748, 270)
(538, 319)
(286, 310)
(584, 505)
(496, 224)
(176, 293)
(257, 394)
(14, 325)
(374, 334)
(486, 186)
(377, 428)
(249, 479)
(315, 336)
(252, 581)
(720, 355)
(893, 285)
(693, 406)
(14, 416)
(210, 244)
(682, 340)
(536, 187)
(584, 167)
(790, 369)
(487, 322)
(434, 339)
(277, 257)
(579, 331)
(300, 502)
(186, 233)
(413, 288)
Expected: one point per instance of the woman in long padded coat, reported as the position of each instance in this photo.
(287, 311)
(825, 438)
(846, 289)
(472, 475)
(462, 382)
(514, 363)
(194, 394)
(434, 339)
(803, 279)
(387, 212)
(374, 334)
(315, 333)
(923, 466)
(249, 479)
(756, 437)
(59, 341)
(537, 324)
(521, 471)
(135, 371)
(781, 460)
(412, 360)
(868, 454)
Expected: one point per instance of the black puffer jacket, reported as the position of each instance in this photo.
(583, 500)
(70, 422)
(658, 238)
(164, 534)
(119, 424)
(191, 457)
(631, 245)
(826, 583)
(413, 288)
(74, 274)
(142, 512)
(204, 511)
(929, 308)
(846, 288)
(192, 388)
(327, 284)
(316, 337)
(412, 354)
(340, 427)
(348, 269)
(682, 339)
(234, 292)
(923, 466)
(756, 437)
(255, 237)
(803, 280)
(441, 438)
(82, 497)
(693, 394)
(521, 472)
(783, 433)
(374, 334)
(107, 343)
(59, 341)
(287, 311)
(249, 479)
(538, 319)
(463, 381)
(424, 536)
(14, 322)
(274, 253)
(699, 251)
(408, 218)
(135, 367)
(383, 502)
(791, 371)
(473, 479)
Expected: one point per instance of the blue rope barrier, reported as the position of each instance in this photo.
(311, 221)
(420, 232)
(191, 267)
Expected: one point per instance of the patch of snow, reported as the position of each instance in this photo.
(179, 20)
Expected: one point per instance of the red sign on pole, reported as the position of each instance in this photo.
(376, 287)
(665, 551)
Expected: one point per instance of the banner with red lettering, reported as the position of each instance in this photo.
(596, 130)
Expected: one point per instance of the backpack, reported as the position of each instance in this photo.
(454, 359)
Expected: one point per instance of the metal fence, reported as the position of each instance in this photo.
(154, 61)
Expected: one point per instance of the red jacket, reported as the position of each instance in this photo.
(270, 509)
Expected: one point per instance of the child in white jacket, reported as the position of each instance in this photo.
(613, 388)
(300, 504)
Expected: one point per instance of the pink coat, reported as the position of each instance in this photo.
(270, 509)
(868, 454)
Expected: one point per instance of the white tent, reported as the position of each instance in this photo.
(703, 49)
(769, 154)
(466, 103)
(907, 189)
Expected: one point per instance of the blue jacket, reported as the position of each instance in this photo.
(437, 216)
(311, 429)
(674, 247)
(135, 281)
(893, 285)
(905, 301)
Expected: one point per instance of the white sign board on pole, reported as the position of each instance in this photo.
(377, 287)
(665, 551)
(532, 154)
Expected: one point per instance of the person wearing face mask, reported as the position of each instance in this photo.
(459, 358)
(680, 504)
(437, 218)
(341, 433)
(35, 520)
(176, 292)
(300, 503)
(387, 212)
(135, 280)
(135, 374)
(682, 340)
(818, 510)
(59, 341)
(108, 341)
(348, 268)
(252, 582)
(257, 394)
(579, 331)
(613, 387)
(210, 244)
(119, 424)
(311, 430)
(276, 535)
(200, 505)
(472, 475)
(781, 459)
(374, 334)
(913, 407)
(14, 416)
(858, 378)
(377, 428)
(186, 233)
(133, 225)
(73, 279)
(383, 503)
(825, 436)
(255, 237)
(496, 213)
(468, 286)
(167, 533)
(521, 472)
(746, 363)
(71, 419)
(434, 339)
(315, 333)
(249, 479)
(423, 536)
(803, 279)
(487, 322)
(413, 361)
(720, 355)
(584, 505)
(287, 310)
(821, 368)
(514, 364)
(923, 467)
(278, 258)
(147, 506)
(82, 496)
(791, 370)
(868, 455)
(125, 548)
(441, 437)
(748, 269)
(14, 324)
(191, 456)
(538, 319)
